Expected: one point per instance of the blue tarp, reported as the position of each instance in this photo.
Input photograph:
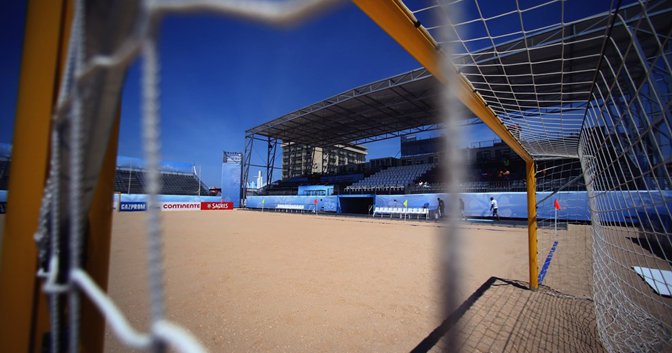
(324, 203)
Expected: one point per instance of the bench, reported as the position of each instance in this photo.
(403, 212)
(289, 207)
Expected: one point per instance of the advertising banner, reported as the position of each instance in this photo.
(216, 206)
(230, 182)
(180, 206)
(133, 207)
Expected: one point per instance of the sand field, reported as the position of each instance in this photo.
(245, 281)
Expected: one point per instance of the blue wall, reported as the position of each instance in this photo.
(143, 198)
(573, 204)
(324, 203)
(626, 206)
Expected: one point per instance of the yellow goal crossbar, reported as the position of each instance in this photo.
(398, 22)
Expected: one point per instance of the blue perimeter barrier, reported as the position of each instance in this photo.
(324, 203)
(634, 205)
(134, 199)
(574, 204)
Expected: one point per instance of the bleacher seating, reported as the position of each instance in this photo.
(341, 179)
(393, 179)
(133, 182)
(493, 186)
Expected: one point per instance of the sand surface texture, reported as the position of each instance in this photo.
(243, 281)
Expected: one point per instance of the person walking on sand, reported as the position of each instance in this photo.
(493, 208)
(442, 207)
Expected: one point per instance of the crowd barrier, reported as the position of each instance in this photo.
(322, 203)
(574, 204)
(170, 203)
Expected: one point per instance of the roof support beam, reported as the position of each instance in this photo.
(395, 19)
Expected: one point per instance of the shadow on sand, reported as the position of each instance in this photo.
(504, 316)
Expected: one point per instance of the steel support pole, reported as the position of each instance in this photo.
(270, 159)
(245, 167)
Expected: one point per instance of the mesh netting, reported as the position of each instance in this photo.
(586, 91)
(105, 38)
(626, 157)
(564, 237)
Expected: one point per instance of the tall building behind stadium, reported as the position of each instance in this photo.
(299, 160)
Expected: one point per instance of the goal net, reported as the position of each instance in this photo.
(105, 38)
(586, 91)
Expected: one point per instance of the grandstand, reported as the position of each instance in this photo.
(174, 181)
(394, 179)
(129, 177)
(492, 167)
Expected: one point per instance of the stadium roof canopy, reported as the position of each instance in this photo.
(391, 107)
(537, 81)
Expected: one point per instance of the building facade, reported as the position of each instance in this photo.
(300, 160)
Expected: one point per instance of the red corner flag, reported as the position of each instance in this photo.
(556, 204)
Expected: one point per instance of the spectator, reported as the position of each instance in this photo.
(493, 208)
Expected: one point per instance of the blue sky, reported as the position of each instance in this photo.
(220, 76)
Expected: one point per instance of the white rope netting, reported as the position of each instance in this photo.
(61, 234)
(589, 98)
